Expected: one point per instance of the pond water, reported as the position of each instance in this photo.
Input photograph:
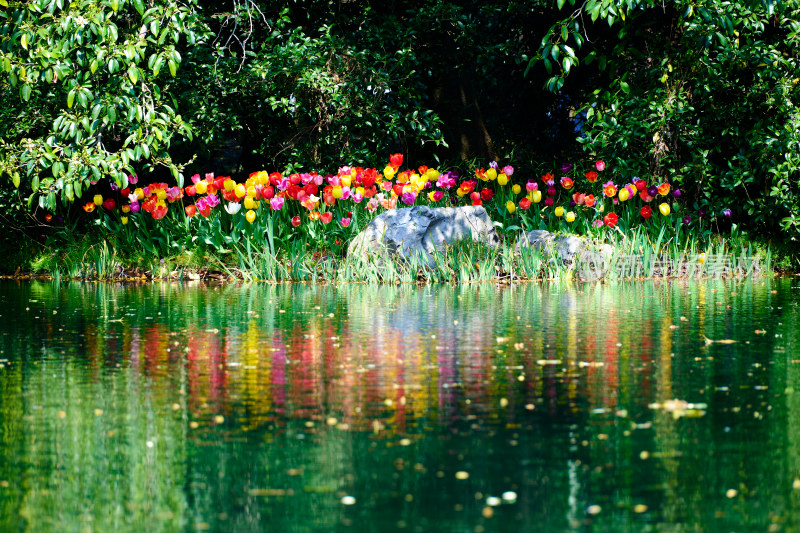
(650, 406)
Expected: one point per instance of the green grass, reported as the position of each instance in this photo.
(636, 255)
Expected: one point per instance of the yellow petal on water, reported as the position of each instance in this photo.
(644, 455)
(493, 501)
(176, 406)
(193, 425)
(530, 406)
(219, 419)
(462, 475)
(150, 444)
(331, 421)
(62, 414)
(455, 322)
(405, 442)
(731, 493)
(98, 412)
(594, 509)
(503, 402)
(640, 508)
(348, 500)
(509, 496)
(487, 512)
(796, 484)
(760, 332)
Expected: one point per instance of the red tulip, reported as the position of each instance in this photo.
(326, 217)
(191, 210)
(396, 160)
(646, 212)
(487, 195)
(296, 221)
(610, 220)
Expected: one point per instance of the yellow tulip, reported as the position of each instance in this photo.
(536, 196)
(502, 179)
(249, 203)
(250, 216)
(346, 181)
(511, 207)
(98, 199)
(460, 192)
(240, 191)
(124, 220)
(623, 194)
(337, 192)
(201, 187)
(516, 188)
(126, 208)
(491, 174)
(229, 184)
(559, 211)
(570, 217)
(161, 194)
(389, 172)
(251, 192)
(664, 208)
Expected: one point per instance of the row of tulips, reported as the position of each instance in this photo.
(569, 203)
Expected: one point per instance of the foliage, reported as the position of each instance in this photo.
(704, 95)
(87, 91)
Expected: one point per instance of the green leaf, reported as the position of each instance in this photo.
(173, 67)
(133, 74)
(25, 92)
(139, 5)
(625, 87)
(70, 98)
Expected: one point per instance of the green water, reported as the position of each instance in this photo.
(542, 408)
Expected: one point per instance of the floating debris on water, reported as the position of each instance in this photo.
(681, 408)
(348, 500)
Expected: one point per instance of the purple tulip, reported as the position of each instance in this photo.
(565, 168)
(727, 213)
(687, 220)
(676, 193)
(652, 190)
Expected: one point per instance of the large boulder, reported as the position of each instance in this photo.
(419, 231)
(565, 247)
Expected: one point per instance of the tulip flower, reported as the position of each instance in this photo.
(525, 203)
(610, 219)
(516, 189)
(190, 210)
(548, 201)
(591, 176)
(663, 189)
(567, 182)
(511, 207)
(609, 189)
(536, 196)
(600, 166)
(98, 199)
(502, 179)
(201, 187)
(296, 221)
(250, 216)
(326, 217)
(345, 222)
(664, 208)
(687, 220)
(589, 200)
(233, 207)
(396, 160)
(89, 207)
(487, 195)
(409, 198)
(276, 203)
(646, 212)
(727, 213)
(124, 220)
(570, 217)
(559, 211)
(109, 204)
(623, 194)
(508, 170)
(566, 167)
